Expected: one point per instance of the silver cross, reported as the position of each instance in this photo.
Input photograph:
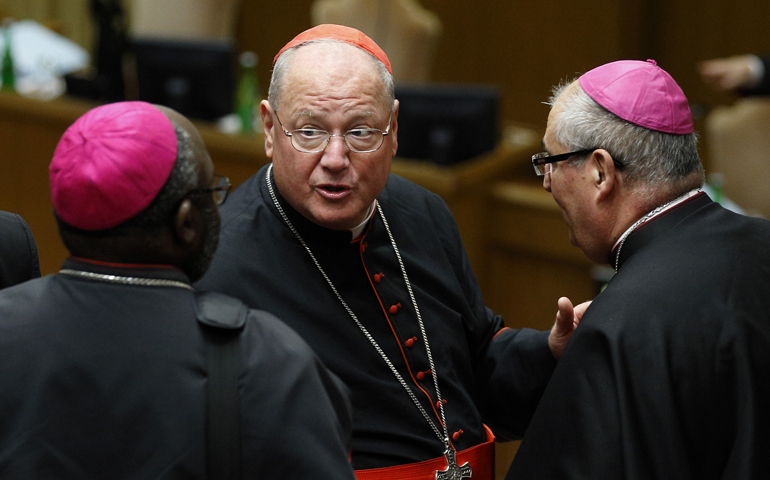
(454, 471)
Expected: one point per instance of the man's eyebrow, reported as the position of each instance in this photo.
(364, 114)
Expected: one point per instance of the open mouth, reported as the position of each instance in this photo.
(333, 192)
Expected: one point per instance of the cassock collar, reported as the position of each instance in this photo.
(307, 229)
(163, 272)
(658, 225)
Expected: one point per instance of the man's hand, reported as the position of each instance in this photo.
(567, 320)
(732, 73)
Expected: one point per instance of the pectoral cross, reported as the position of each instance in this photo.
(453, 471)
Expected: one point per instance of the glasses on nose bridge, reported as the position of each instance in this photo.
(358, 140)
(542, 161)
(219, 188)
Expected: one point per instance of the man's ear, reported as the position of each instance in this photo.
(268, 126)
(187, 223)
(604, 174)
(394, 128)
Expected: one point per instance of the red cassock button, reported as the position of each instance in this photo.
(456, 435)
(410, 342)
(394, 308)
(378, 277)
(421, 375)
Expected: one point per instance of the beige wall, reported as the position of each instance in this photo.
(522, 47)
(525, 47)
(182, 19)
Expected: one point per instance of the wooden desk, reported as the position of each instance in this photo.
(530, 260)
(466, 187)
(30, 130)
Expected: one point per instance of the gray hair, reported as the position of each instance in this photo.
(653, 162)
(281, 67)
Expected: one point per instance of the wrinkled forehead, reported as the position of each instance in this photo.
(334, 69)
(330, 57)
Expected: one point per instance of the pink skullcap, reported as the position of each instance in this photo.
(110, 164)
(342, 33)
(641, 93)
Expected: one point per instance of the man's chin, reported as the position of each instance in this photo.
(336, 219)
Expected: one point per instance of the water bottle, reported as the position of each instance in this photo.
(248, 91)
(8, 74)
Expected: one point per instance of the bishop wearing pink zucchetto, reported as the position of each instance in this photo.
(116, 366)
(667, 375)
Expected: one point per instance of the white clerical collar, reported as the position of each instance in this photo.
(654, 213)
(356, 231)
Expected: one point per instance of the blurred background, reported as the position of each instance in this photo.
(472, 78)
(520, 47)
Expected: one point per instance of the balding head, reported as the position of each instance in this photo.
(333, 47)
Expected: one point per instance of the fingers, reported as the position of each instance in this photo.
(565, 315)
(727, 74)
(563, 327)
(580, 310)
(567, 320)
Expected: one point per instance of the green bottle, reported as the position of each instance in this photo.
(248, 91)
(8, 76)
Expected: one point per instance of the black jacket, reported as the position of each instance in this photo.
(18, 252)
(102, 380)
(487, 373)
(667, 375)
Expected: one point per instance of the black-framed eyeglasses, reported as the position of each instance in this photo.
(358, 140)
(219, 188)
(542, 161)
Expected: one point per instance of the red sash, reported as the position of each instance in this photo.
(481, 459)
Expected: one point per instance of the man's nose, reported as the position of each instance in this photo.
(336, 155)
(547, 181)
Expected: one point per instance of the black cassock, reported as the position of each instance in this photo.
(486, 373)
(668, 374)
(18, 251)
(102, 380)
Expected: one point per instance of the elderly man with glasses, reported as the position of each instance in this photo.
(667, 375)
(369, 268)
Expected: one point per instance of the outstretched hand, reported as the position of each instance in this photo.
(732, 73)
(567, 320)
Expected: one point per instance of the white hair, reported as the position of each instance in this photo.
(653, 162)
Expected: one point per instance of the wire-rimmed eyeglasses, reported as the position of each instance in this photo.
(542, 161)
(358, 140)
(219, 189)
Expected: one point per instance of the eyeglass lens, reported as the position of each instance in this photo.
(543, 168)
(359, 140)
(220, 188)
